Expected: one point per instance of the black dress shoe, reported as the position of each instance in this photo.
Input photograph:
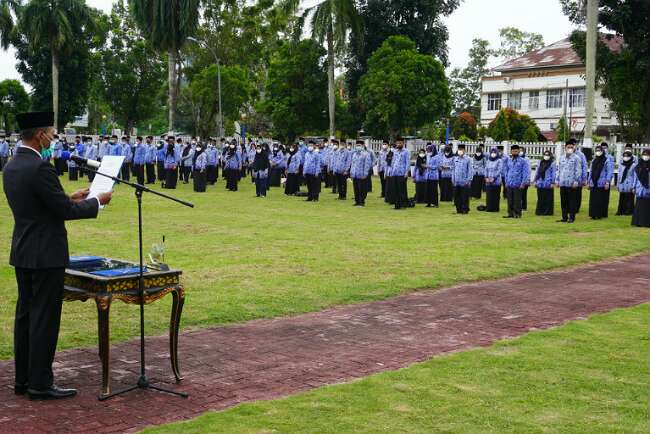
(561, 221)
(51, 393)
(20, 389)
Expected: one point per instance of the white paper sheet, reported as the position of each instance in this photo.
(111, 166)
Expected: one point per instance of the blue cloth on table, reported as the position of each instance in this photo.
(118, 272)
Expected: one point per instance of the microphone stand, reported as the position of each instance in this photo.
(143, 381)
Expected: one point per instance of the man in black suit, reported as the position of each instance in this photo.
(39, 253)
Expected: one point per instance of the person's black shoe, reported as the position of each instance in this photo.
(20, 389)
(52, 393)
(571, 220)
(562, 221)
(309, 200)
(508, 217)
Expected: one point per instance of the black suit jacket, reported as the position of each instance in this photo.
(40, 208)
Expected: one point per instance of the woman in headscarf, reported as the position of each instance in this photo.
(626, 181)
(478, 166)
(420, 176)
(187, 159)
(388, 177)
(172, 158)
(260, 169)
(599, 180)
(544, 181)
(446, 170)
(641, 215)
(276, 160)
(200, 164)
(432, 175)
(493, 180)
(292, 185)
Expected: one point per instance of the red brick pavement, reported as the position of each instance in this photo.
(271, 358)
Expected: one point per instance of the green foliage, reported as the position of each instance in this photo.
(531, 134)
(296, 96)
(465, 84)
(562, 130)
(515, 43)
(465, 126)
(166, 23)
(511, 125)
(13, 100)
(8, 8)
(403, 89)
(482, 133)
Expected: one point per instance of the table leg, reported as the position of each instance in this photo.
(177, 308)
(103, 310)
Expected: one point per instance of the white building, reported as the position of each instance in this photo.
(546, 84)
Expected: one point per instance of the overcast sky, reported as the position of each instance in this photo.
(473, 19)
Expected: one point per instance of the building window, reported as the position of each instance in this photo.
(554, 98)
(514, 100)
(494, 101)
(577, 97)
(533, 99)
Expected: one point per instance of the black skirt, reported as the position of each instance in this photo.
(478, 184)
(276, 177)
(446, 190)
(545, 202)
(171, 178)
(492, 198)
(421, 192)
(625, 204)
(598, 203)
(200, 180)
(641, 216)
(390, 190)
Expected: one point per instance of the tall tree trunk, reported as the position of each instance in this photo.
(171, 78)
(330, 79)
(55, 88)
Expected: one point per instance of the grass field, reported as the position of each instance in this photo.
(584, 377)
(246, 258)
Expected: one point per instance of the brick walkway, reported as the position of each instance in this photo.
(271, 358)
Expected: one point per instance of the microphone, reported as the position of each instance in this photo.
(65, 155)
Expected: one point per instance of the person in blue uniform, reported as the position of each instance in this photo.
(544, 182)
(524, 191)
(57, 151)
(161, 151)
(103, 148)
(91, 154)
(80, 147)
(150, 160)
(334, 148)
(641, 216)
(4, 151)
(626, 182)
(292, 185)
(446, 171)
(432, 176)
(212, 162)
(381, 167)
(359, 171)
(504, 158)
(232, 167)
(462, 176)
(478, 167)
(311, 169)
(570, 181)
(199, 168)
(388, 177)
(600, 178)
(73, 170)
(260, 167)
(139, 160)
(420, 176)
(517, 177)
(371, 170)
(187, 156)
(584, 169)
(127, 153)
(493, 180)
(171, 161)
(342, 161)
(277, 161)
(611, 163)
(400, 167)
(114, 147)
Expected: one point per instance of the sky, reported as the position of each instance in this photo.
(473, 19)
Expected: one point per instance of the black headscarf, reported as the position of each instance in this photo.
(261, 161)
(627, 165)
(196, 154)
(642, 169)
(186, 150)
(421, 163)
(479, 157)
(543, 167)
(389, 156)
(597, 166)
(170, 149)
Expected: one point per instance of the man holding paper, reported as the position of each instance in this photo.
(39, 253)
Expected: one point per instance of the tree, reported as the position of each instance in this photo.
(167, 24)
(511, 125)
(13, 100)
(499, 128)
(531, 134)
(403, 89)
(465, 84)
(130, 71)
(515, 43)
(562, 130)
(296, 89)
(623, 69)
(465, 125)
(7, 24)
(50, 23)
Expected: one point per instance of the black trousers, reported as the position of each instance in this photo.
(342, 185)
(524, 198)
(641, 216)
(420, 192)
(578, 199)
(138, 170)
(545, 202)
(625, 204)
(598, 203)
(211, 174)
(431, 193)
(569, 202)
(73, 173)
(461, 199)
(291, 187)
(91, 176)
(514, 201)
(382, 181)
(3, 161)
(478, 183)
(171, 178)
(59, 165)
(232, 177)
(151, 173)
(326, 177)
(446, 190)
(369, 181)
(200, 181)
(360, 190)
(313, 187)
(36, 327)
(185, 172)
(275, 179)
(126, 171)
(161, 170)
(401, 192)
(492, 198)
(390, 190)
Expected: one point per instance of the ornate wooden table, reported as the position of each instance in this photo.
(82, 285)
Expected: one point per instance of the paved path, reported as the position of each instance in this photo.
(271, 358)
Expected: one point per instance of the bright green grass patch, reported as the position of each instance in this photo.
(587, 376)
(246, 258)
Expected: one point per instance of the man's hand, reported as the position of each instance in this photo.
(105, 198)
(80, 195)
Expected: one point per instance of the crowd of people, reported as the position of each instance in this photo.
(440, 174)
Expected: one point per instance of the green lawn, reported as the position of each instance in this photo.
(246, 258)
(584, 377)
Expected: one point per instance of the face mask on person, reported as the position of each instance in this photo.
(646, 158)
(335, 147)
(198, 148)
(232, 146)
(317, 150)
(259, 151)
(478, 154)
(570, 151)
(384, 147)
(627, 158)
(194, 142)
(493, 155)
(461, 153)
(359, 148)
(349, 148)
(275, 148)
(422, 154)
(310, 148)
(599, 153)
(292, 149)
(547, 157)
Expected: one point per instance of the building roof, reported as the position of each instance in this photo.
(558, 55)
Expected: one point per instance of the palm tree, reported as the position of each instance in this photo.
(7, 26)
(331, 22)
(167, 24)
(48, 23)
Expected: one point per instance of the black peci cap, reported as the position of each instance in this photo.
(28, 121)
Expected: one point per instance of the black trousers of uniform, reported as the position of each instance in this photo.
(598, 203)
(171, 178)
(91, 176)
(151, 173)
(186, 173)
(625, 204)
(3, 161)
(313, 187)
(478, 183)
(126, 171)
(382, 181)
(59, 164)
(545, 202)
(342, 185)
(391, 191)
(291, 187)
(369, 181)
(161, 170)
(461, 199)
(200, 180)
(569, 202)
(36, 327)
(641, 216)
(514, 196)
(138, 170)
(524, 198)
(446, 190)
(232, 177)
(73, 173)
(211, 174)
(275, 179)
(492, 198)
(505, 189)
(360, 190)
(579, 200)
(420, 192)
(431, 193)
(401, 192)
(326, 177)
